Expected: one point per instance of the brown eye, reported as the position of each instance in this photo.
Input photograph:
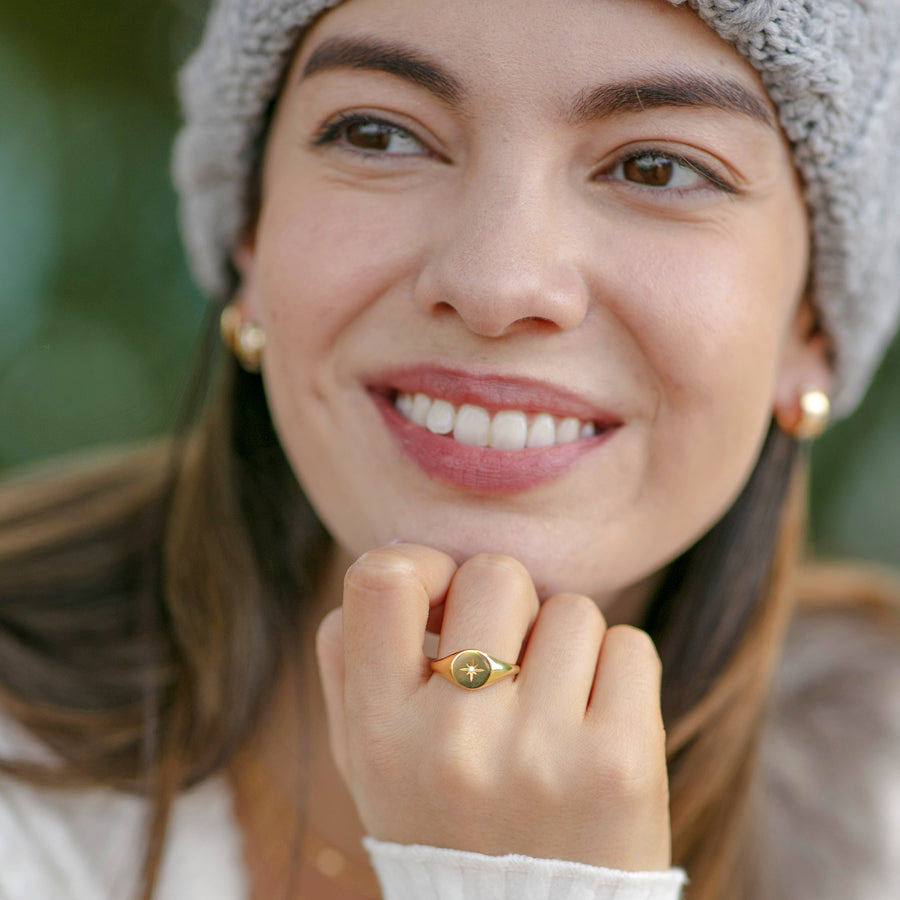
(374, 136)
(658, 170)
(649, 169)
(368, 135)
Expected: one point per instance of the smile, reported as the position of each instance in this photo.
(489, 433)
(508, 429)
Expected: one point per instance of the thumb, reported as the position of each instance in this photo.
(330, 655)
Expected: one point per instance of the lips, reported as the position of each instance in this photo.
(488, 433)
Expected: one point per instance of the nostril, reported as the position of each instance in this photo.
(500, 297)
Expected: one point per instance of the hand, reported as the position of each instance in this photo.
(566, 760)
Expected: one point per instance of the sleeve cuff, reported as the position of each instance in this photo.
(413, 872)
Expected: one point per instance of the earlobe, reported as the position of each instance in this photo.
(808, 417)
(240, 324)
(246, 339)
(801, 405)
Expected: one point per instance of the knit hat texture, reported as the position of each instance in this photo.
(831, 67)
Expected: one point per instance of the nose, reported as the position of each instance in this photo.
(503, 259)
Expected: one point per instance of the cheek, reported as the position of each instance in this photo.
(723, 303)
(724, 300)
(324, 257)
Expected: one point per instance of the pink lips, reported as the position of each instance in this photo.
(484, 469)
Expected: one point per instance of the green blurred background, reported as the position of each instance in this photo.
(98, 315)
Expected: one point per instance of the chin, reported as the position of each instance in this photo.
(552, 564)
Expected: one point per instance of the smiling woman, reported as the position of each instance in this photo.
(584, 271)
(522, 346)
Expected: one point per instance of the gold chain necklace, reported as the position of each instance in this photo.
(336, 867)
(255, 790)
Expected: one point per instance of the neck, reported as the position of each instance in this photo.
(300, 830)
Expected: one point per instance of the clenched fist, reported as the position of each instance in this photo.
(565, 760)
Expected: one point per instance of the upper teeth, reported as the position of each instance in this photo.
(509, 429)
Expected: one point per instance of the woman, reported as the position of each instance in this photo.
(512, 330)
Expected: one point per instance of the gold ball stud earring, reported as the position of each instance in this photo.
(246, 340)
(810, 418)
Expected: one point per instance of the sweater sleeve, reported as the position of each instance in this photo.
(415, 872)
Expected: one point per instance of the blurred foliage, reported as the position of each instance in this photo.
(97, 311)
(98, 314)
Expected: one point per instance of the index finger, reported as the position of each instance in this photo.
(388, 594)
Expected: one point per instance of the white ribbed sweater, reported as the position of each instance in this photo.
(826, 811)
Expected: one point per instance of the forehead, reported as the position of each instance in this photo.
(551, 47)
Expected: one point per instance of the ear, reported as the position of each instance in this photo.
(246, 298)
(804, 364)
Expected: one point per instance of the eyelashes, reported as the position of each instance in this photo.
(369, 135)
(656, 169)
(650, 169)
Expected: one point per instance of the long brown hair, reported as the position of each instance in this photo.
(144, 602)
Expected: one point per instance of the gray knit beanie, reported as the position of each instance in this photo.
(832, 68)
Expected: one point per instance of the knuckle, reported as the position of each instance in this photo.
(497, 563)
(578, 608)
(378, 571)
(537, 773)
(630, 776)
(376, 747)
(457, 771)
(329, 634)
(370, 730)
(631, 761)
(637, 644)
(504, 577)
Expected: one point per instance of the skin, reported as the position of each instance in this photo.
(680, 307)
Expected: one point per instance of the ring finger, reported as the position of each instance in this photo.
(490, 606)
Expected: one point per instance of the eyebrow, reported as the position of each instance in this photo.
(379, 56)
(671, 90)
(675, 89)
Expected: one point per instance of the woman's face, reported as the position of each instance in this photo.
(573, 226)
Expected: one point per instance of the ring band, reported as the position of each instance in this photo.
(472, 669)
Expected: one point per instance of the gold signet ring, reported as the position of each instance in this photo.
(472, 669)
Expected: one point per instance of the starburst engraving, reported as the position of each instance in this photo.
(472, 671)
